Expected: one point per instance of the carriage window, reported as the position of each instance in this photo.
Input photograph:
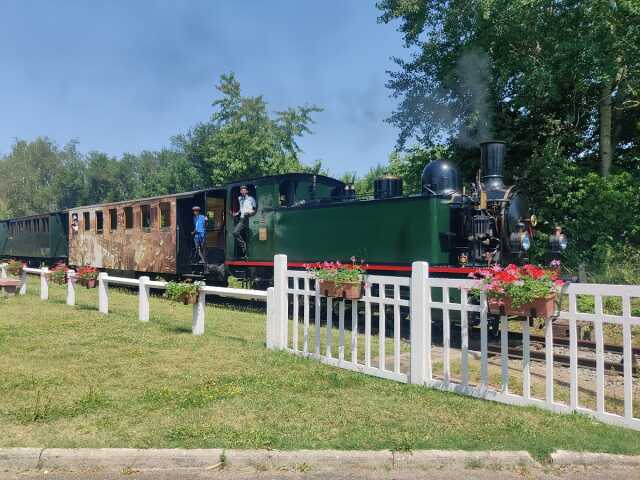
(145, 211)
(128, 217)
(87, 221)
(99, 221)
(45, 225)
(165, 215)
(36, 225)
(113, 219)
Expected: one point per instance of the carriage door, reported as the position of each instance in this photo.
(215, 213)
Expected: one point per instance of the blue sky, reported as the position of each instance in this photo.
(124, 76)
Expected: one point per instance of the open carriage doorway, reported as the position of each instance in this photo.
(212, 206)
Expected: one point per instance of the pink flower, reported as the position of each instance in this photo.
(555, 263)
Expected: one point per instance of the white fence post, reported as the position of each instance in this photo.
(420, 326)
(71, 289)
(3, 271)
(280, 284)
(143, 299)
(44, 284)
(23, 282)
(197, 324)
(103, 292)
(272, 319)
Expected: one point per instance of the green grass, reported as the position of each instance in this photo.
(72, 377)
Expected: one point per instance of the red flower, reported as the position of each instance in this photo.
(533, 271)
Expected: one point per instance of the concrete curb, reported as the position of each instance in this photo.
(424, 458)
(110, 458)
(149, 459)
(564, 457)
(311, 458)
(19, 458)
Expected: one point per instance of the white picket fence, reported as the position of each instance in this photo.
(144, 285)
(342, 334)
(305, 323)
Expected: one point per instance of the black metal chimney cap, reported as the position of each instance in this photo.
(492, 155)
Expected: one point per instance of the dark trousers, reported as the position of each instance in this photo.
(239, 232)
(199, 245)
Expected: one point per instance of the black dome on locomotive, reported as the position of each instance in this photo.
(440, 177)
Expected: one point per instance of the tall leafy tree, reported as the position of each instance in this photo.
(28, 177)
(243, 139)
(525, 70)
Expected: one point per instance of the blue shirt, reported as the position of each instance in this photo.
(198, 223)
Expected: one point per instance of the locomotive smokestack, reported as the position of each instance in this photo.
(492, 161)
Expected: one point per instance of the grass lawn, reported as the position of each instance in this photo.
(72, 377)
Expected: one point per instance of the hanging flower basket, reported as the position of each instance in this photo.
(14, 267)
(339, 280)
(88, 276)
(183, 292)
(58, 274)
(527, 291)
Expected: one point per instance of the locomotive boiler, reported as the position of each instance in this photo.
(491, 222)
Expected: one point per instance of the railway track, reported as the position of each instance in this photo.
(565, 360)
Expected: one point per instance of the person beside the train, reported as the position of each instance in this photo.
(247, 209)
(199, 230)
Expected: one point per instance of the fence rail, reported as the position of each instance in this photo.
(144, 285)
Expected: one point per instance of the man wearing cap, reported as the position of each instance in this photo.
(247, 209)
(199, 229)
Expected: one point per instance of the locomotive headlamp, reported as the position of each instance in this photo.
(558, 241)
(520, 240)
(533, 220)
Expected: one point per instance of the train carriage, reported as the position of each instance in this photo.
(35, 239)
(151, 235)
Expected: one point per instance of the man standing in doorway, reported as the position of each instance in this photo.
(199, 231)
(247, 209)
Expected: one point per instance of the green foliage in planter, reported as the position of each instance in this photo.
(58, 276)
(14, 267)
(177, 291)
(337, 272)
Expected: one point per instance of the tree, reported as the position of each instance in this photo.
(521, 69)
(28, 176)
(243, 139)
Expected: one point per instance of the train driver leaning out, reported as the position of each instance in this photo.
(199, 230)
(247, 209)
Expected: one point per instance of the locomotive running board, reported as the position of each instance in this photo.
(372, 267)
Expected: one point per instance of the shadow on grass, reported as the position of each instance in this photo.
(175, 328)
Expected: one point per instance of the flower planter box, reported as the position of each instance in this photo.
(89, 283)
(541, 307)
(346, 291)
(9, 286)
(190, 299)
